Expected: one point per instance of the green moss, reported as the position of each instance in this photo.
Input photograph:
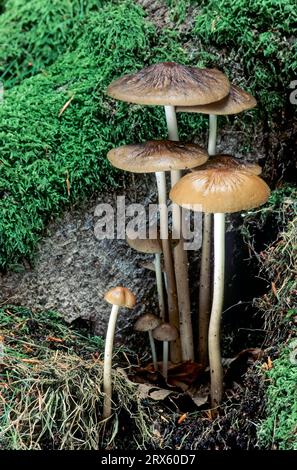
(279, 430)
(34, 34)
(40, 150)
(257, 39)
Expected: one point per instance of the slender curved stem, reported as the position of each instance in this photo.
(205, 273)
(159, 282)
(165, 360)
(180, 256)
(107, 382)
(204, 291)
(215, 361)
(153, 348)
(175, 350)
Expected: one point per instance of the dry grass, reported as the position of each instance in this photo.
(51, 396)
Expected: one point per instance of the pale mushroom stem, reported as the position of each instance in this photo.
(175, 350)
(180, 256)
(205, 272)
(153, 348)
(215, 361)
(204, 292)
(107, 382)
(159, 282)
(165, 360)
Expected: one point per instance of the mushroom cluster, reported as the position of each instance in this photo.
(200, 181)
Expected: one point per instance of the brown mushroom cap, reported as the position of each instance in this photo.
(220, 190)
(171, 84)
(165, 332)
(147, 322)
(157, 155)
(229, 162)
(237, 101)
(121, 296)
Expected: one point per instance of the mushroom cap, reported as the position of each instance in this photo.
(121, 296)
(220, 190)
(171, 84)
(147, 322)
(235, 102)
(165, 332)
(145, 245)
(157, 155)
(229, 162)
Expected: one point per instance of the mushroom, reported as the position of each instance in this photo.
(227, 162)
(149, 322)
(152, 246)
(218, 191)
(166, 333)
(235, 102)
(118, 297)
(170, 84)
(159, 156)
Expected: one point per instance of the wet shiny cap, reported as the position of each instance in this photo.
(220, 190)
(157, 155)
(120, 296)
(147, 322)
(165, 332)
(235, 102)
(229, 162)
(171, 84)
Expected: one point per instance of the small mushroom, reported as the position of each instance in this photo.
(149, 322)
(152, 246)
(118, 297)
(216, 162)
(166, 333)
(218, 191)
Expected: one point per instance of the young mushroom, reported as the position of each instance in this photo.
(157, 157)
(235, 102)
(170, 84)
(166, 333)
(219, 191)
(117, 297)
(149, 322)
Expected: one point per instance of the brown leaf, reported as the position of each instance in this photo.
(274, 290)
(183, 375)
(53, 339)
(155, 393)
(182, 418)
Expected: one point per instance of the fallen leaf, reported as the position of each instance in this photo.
(157, 394)
(274, 290)
(182, 418)
(54, 340)
(199, 395)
